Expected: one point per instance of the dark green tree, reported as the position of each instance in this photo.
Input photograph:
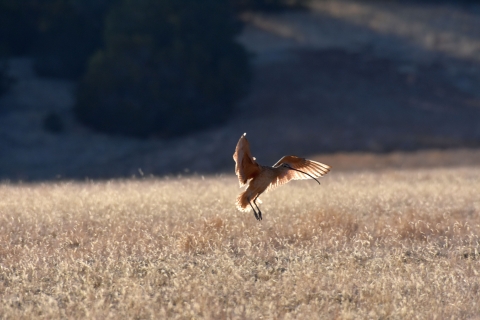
(18, 25)
(61, 35)
(70, 32)
(169, 67)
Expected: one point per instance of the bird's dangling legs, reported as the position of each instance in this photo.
(255, 203)
(255, 212)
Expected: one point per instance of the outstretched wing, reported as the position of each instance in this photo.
(246, 167)
(313, 168)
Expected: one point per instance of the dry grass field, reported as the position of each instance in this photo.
(371, 245)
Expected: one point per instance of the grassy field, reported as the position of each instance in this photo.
(371, 245)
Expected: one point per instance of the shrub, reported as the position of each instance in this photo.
(53, 123)
(169, 67)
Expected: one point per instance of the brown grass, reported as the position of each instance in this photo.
(372, 245)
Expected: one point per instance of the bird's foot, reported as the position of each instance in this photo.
(257, 216)
(260, 215)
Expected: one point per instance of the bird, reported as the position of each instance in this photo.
(260, 179)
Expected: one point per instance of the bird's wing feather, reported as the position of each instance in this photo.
(313, 168)
(246, 167)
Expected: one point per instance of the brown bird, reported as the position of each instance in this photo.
(260, 178)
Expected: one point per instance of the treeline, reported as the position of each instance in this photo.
(163, 67)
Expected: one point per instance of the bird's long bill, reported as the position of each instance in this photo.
(306, 174)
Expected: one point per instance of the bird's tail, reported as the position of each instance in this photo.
(242, 202)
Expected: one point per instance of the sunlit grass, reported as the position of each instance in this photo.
(373, 245)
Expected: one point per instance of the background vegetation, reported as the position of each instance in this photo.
(154, 67)
(386, 244)
(168, 68)
(61, 35)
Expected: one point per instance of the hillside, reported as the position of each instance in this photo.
(346, 76)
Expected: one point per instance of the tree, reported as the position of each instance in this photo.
(169, 67)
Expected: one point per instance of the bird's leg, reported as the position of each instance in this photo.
(254, 212)
(255, 203)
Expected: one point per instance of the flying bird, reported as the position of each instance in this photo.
(260, 178)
